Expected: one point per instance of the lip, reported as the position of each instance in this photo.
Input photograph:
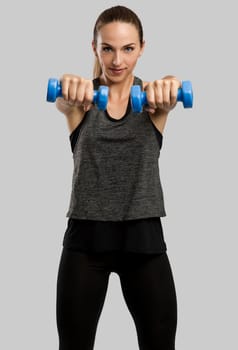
(117, 71)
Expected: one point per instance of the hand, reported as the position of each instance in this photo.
(162, 95)
(77, 92)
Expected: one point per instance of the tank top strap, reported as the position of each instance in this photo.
(138, 81)
(96, 83)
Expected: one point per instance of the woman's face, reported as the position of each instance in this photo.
(118, 48)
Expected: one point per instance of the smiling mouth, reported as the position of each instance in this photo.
(117, 70)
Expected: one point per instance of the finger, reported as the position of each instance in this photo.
(173, 92)
(149, 109)
(73, 89)
(158, 94)
(80, 93)
(166, 93)
(65, 88)
(88, 96)
(150, 96)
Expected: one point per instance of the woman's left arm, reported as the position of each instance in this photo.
(162, 98)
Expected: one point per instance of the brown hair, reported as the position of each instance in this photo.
(113, 14)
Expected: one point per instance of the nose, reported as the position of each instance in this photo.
(116, 59)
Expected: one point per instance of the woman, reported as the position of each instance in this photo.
(117, 199)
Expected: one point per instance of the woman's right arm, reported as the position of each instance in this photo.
(77, 99)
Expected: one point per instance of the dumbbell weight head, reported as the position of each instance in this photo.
(54, 90)
(100, 96)
(185, 94)
(138, 98)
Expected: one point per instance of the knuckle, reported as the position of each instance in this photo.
(149, 86)
(77, 80)
(64, 77)
(157, 83)
(89, 84)
(166, 82)
(173, 82)
(74, 80)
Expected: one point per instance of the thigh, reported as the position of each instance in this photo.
(81, 291)
(149, 291)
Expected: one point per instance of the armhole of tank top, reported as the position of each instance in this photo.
(158, 134)
(73, 137)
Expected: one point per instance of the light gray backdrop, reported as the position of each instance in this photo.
(41, 39)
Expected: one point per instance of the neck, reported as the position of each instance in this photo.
(118, 90)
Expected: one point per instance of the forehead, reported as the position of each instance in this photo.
(118, 31)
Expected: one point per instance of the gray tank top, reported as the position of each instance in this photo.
(116, 167)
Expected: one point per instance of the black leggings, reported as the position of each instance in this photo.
(147, 286)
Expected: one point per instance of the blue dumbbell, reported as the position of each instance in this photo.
(139, 99)
(54, 90)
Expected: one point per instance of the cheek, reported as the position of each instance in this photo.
(132, 60)
(104, 59)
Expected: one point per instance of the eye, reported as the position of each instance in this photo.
(106, 49)
(129, 48)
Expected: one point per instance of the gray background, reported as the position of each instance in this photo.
(40, 39)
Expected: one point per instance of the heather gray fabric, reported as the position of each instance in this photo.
(116, 169)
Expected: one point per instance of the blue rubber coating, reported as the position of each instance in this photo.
(138, 97)
(54, 90)
(100, 97)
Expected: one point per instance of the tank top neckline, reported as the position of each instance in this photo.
(128, 109)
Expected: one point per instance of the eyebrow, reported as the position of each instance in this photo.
(106, 44)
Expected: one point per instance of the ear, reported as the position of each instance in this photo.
(94, 47)
(142, 48)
